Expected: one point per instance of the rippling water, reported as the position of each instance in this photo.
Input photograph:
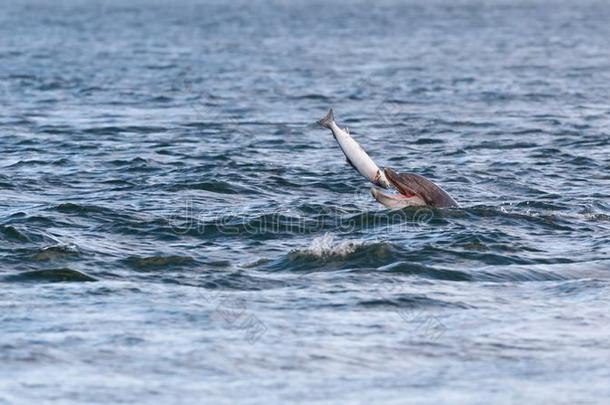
(175, 228)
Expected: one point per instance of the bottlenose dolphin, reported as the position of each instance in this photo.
(412, 189)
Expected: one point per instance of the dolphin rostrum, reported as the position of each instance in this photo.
(412, 189)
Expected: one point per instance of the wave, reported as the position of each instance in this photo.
(580, 287)
(12, 234)
(411, 301)
(50, 276)
(326, 253)
(83, 209)
(23, 234)
(426, 271)
(56, 252)
(326, 246)
(215, 186)
(159, 262)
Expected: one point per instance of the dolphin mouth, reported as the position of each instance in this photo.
(400, 186)
(406, 196)
(395, 200)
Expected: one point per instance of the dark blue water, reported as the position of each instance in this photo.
(174, 228)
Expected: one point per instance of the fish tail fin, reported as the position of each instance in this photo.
(328, 119)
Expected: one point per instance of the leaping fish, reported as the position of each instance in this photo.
(355, 155)
(412, 189)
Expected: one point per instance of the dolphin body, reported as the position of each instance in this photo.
(412, 189)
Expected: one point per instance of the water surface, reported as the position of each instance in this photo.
(173, 227)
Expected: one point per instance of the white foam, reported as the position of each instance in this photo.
(325, 245)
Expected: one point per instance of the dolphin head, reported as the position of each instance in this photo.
(418, 190)
(400, 183)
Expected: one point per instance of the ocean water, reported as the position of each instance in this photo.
(174, 228)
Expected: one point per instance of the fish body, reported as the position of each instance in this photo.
(354, 153)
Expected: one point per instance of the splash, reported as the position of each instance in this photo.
(325, 245)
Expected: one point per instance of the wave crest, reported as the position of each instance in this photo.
(325, 245)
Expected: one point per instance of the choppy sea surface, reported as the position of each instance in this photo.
(175, 228)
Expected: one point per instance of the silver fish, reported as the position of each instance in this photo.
(355, 155)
